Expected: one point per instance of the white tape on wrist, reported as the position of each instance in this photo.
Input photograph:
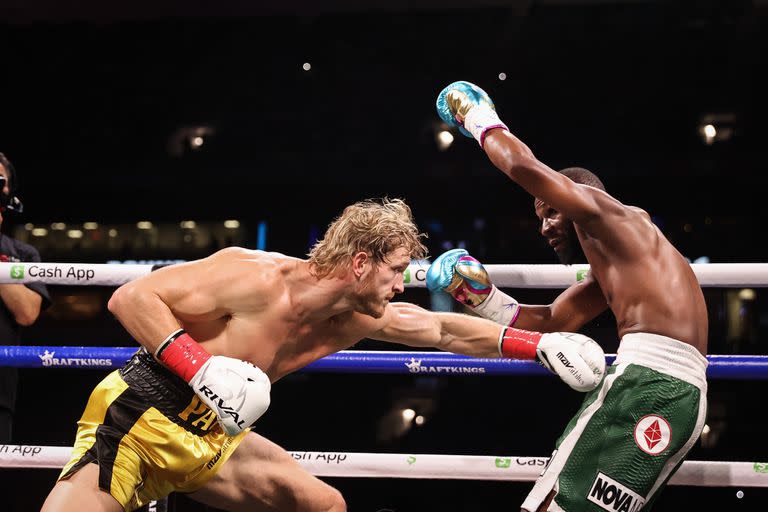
(499, 307)
(480, 119)
(501, 341)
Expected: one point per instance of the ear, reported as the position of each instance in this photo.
(360, 262)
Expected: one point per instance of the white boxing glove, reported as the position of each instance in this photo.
(235, 390)
(577, 359)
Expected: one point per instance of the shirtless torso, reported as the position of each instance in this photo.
(267, 309)
(661, 320)
(644, 280)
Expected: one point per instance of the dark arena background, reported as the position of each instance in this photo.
(163, 131)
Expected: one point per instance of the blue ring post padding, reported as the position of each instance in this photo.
(738, 367)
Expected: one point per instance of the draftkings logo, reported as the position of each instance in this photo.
(48, 359)
(609, 494)
(415, 366)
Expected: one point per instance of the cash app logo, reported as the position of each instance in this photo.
(411, 460)
(581, 274)
(503, 462)
(407, 276)
(761, 467)
(17, 272)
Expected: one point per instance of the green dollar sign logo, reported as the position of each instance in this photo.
(17, 272)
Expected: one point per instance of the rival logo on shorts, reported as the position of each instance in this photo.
(609, 494)
(652, 434)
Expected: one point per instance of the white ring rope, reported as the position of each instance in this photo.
(453, 467)
(734, 275)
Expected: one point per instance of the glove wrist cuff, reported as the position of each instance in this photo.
(518, 344)
(480, 119)
(181, 354)
(499, 307)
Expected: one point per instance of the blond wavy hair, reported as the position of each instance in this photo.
(374, 226)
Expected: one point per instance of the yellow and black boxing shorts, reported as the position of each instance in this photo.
(149, 434)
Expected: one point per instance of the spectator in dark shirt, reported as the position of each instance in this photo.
(20, 305)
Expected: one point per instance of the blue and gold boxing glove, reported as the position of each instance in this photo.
(468, 107)
(466, 280)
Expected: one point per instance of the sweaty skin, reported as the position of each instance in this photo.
(635, 270)
(268, 309)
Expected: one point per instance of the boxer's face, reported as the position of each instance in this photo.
(381, 282)
(559, 232)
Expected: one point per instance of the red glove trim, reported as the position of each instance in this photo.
(182, 355)
(518, 344)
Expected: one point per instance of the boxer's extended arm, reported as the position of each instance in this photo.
(453, 332)
(578, 202)
(466, 105)
(576, 359)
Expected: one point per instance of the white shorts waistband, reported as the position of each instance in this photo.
(665, 355)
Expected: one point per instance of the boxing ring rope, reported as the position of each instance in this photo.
(336, 464)
(725, 275)
(423, 466)
(739, 367)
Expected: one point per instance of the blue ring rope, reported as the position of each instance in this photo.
(739, 367)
